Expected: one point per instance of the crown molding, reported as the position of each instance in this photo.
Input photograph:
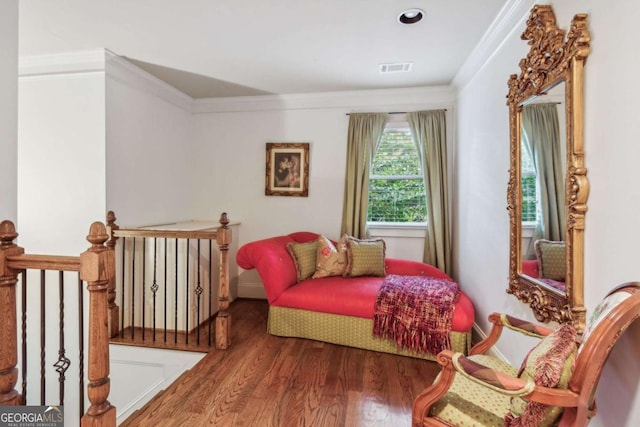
(100, 61)
(118, 68)
(78, 62)
(121, 70)
(512, 15)
(439, 96)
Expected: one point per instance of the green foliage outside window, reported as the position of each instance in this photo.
(396, 184)
(529, 198)
(528, 184)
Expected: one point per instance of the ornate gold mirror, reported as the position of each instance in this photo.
(548, 186)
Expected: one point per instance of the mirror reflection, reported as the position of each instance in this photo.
(548, 186)
(543, 170)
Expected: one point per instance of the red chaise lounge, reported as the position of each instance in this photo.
(337, 309)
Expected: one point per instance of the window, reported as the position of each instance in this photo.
(396, 182)
(529, 184)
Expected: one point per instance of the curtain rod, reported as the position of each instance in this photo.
(398, 112)
(532, 102)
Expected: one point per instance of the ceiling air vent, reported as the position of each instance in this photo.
(399, 67)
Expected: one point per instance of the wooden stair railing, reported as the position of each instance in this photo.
(96, 266)
(134, 280)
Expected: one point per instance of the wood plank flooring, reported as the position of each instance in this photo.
(264, 380)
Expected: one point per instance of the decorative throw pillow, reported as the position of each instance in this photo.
(365, 257)
(304, 258)
(548, 364)
(330, 261)
(551, 259)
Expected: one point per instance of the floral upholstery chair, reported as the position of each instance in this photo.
(555, 385)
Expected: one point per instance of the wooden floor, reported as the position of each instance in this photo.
(264, 380)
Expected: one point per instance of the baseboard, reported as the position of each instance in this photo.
(478, 335)
(153, 369)
(251, 290)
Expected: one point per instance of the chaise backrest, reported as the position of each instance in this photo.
(272, 261)
(607, 323)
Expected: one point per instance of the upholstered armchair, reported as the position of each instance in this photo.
(555, 384)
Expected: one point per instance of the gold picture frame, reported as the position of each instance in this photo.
(287, 169)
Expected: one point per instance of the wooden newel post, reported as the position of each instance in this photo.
(223, 320)
(113, 309)
(8, 321)
(97, 268)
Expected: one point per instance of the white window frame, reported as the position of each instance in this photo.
(401, 229)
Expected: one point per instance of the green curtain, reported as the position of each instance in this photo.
(541, 135)
(365, 130)
(429, 133)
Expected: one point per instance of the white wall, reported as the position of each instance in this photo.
(61, 160)
(229, 154)
(611, 132)
(8, 109)
(148, 147)
(481, 220)
(230, 169)
(401, 241)
(98, 133)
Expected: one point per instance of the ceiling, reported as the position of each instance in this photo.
(223, 48)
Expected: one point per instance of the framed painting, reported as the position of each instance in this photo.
(287, 169)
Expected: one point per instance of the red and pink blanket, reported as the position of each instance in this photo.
(415, 312)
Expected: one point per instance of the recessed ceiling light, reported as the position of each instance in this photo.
(410, 16)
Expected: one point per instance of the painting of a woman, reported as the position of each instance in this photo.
(287, 169)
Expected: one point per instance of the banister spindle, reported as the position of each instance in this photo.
(114, 319)
(8, 329)
(97, 268)
(198, 291)
(223, 320)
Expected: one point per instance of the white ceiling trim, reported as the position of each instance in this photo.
(87, 61)
(113, 66)
(512, 14)
(120, 70)
(365, 100)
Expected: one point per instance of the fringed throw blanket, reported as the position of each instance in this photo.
(415, 312)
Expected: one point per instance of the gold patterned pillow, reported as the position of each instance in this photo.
(365, 257)
(551, 259)
(304, 258)
(548, 364)
(330, 260)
